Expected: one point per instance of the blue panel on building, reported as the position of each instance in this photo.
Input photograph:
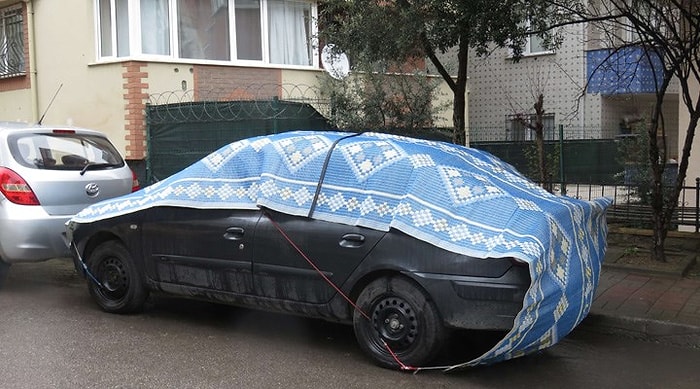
(627, 70)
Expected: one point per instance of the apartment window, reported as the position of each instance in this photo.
(12, 61)
(249, 30)
(155, 27)
(265, 31)
(289, 29)
(518, 127)
(203, 29)
(534, 44)
(114, 27)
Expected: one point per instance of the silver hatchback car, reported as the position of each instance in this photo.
(47, 175)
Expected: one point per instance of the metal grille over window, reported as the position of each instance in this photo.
(11, 42)
(518, 127)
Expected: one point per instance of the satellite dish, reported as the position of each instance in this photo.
(336, 64)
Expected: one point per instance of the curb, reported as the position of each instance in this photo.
(683, 335)
(679, 272)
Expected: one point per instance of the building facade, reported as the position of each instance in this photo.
(97, 63)
(587, 91)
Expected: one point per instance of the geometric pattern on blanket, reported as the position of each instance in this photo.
(457, 198)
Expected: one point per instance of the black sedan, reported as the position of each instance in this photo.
(407, 292)
(220, 231)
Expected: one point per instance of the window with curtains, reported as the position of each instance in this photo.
(12, 60)
(265, 31)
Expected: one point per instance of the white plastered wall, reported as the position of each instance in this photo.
(64, 46)
(169, 82)
(91, 94)
(15, 106)
(499, 87)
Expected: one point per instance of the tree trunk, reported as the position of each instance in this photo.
(658, 214)
(458, 117)
(459, 132)
(657, 164)
(539, 140)
(660, 232)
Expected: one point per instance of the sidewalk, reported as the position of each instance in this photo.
(647, 304)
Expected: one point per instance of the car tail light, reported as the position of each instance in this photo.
(16, 189)
(134, 182)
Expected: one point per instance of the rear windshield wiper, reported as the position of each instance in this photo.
(91, 165)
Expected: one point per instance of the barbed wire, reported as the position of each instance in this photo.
(258, 101)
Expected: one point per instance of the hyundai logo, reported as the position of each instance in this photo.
(92, 189)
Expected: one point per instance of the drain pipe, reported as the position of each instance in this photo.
(33, 86)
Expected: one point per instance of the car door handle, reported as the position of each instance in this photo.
(352, 240)
(234, 233)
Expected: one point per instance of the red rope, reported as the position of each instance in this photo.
(313, 265)
(337, 289)
(402, 366)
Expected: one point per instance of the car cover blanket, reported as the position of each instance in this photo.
(457, 198)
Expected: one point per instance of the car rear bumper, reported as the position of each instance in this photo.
(476, 302)
(29, 234)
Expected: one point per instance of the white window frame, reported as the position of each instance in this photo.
(263, 36)
(527, 49)
(135, 47)
(113, 38)
(135, 41)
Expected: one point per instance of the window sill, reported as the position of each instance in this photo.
(247, 64)
(12, 75)
(533, 55)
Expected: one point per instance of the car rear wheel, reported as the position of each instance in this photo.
(121, 288)
(403, 327)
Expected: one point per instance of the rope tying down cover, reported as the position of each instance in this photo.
(460, 199)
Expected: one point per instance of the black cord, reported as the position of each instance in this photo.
(323, 172)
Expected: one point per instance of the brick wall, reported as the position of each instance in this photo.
(218, 83)
(135, 97)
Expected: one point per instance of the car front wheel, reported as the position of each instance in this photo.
(121, 288)
(401, 328)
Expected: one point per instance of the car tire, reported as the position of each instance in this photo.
(4, 271)
(121, 288)
(402, 317)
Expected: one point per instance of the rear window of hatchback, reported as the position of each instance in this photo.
(64, 150)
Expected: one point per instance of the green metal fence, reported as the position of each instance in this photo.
(582, 161)
(180, 134)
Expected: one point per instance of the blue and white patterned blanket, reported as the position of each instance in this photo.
(460, 199)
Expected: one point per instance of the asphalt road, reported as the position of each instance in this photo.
(53, 336)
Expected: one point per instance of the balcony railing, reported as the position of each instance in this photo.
(631, 207)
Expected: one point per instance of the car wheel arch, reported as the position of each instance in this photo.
(98, 239)
(366, 279)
